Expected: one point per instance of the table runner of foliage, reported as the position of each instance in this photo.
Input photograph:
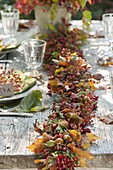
(65, 136)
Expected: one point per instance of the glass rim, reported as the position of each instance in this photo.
(107, 15)
(5, 11)
(34, 40)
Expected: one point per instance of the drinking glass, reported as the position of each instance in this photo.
(10, 21)
(34, 51)
(111, 82)
(108, 29)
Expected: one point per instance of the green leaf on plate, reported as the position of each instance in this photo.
(32, 100)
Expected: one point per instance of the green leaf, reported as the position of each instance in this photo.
(50, 143)
(55, 54)
(51, 27)
(38, 108)
(82, 3)
(55, 1)
(31, 100)
(87, 15)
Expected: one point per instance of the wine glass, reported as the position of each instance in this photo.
(34, 51)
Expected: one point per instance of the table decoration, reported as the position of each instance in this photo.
(65, 135)
(53, 12)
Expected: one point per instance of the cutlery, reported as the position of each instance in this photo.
(5, 113)
(6, 61)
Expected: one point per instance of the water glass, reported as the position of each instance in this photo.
(108, 25)
(34, 51)
(111, 82)
(10, 21)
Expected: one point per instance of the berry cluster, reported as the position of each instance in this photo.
(65, 134)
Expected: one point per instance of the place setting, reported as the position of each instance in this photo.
(19, 77)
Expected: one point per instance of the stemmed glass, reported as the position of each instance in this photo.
(34, 51)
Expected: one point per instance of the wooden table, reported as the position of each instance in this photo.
(16, 133)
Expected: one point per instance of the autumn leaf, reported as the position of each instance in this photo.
(64, 123)
(63, 63)
(75, 135)
(53, 167)
(66, 110)
(83, 163)
(50, 143)
(32, 147)
(80, 153)
(85, 142)
(92, 137)
(37, 146)
(54, 82)
(91, 84)
(59, 141)
(46, 137)
(57, 71)
(40, 161)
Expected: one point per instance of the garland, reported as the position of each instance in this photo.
(65, 136)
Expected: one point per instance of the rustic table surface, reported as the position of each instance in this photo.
(16, 132)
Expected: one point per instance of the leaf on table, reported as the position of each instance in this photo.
(25, 25)
(92, 137)
(39, 108)
(105, 61)
(98, 76)
(108, 119)
(32, 100)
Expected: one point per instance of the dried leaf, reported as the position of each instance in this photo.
(40, 161)
(75, 135)
(108, 119)
(66, 110)
(63, 63)
(53, 167)
(64, 123)
(47, 137)
(85, 142)
(80, 153)
(92, 137)
(37, 146)
(98, 76)
(31, 147)
(57, 71)
(54, 82)
(91, 84)
(83, 163)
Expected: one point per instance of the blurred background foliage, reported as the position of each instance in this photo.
(97, 10)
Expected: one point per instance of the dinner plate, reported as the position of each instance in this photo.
(18, 96)
(10, 44)
(5, 51)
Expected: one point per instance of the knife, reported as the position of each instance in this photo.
(6, 61)
(3, 113)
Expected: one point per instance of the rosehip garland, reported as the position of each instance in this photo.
(65, 136)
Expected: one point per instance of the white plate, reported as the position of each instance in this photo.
(2, 52)
(18, 96)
